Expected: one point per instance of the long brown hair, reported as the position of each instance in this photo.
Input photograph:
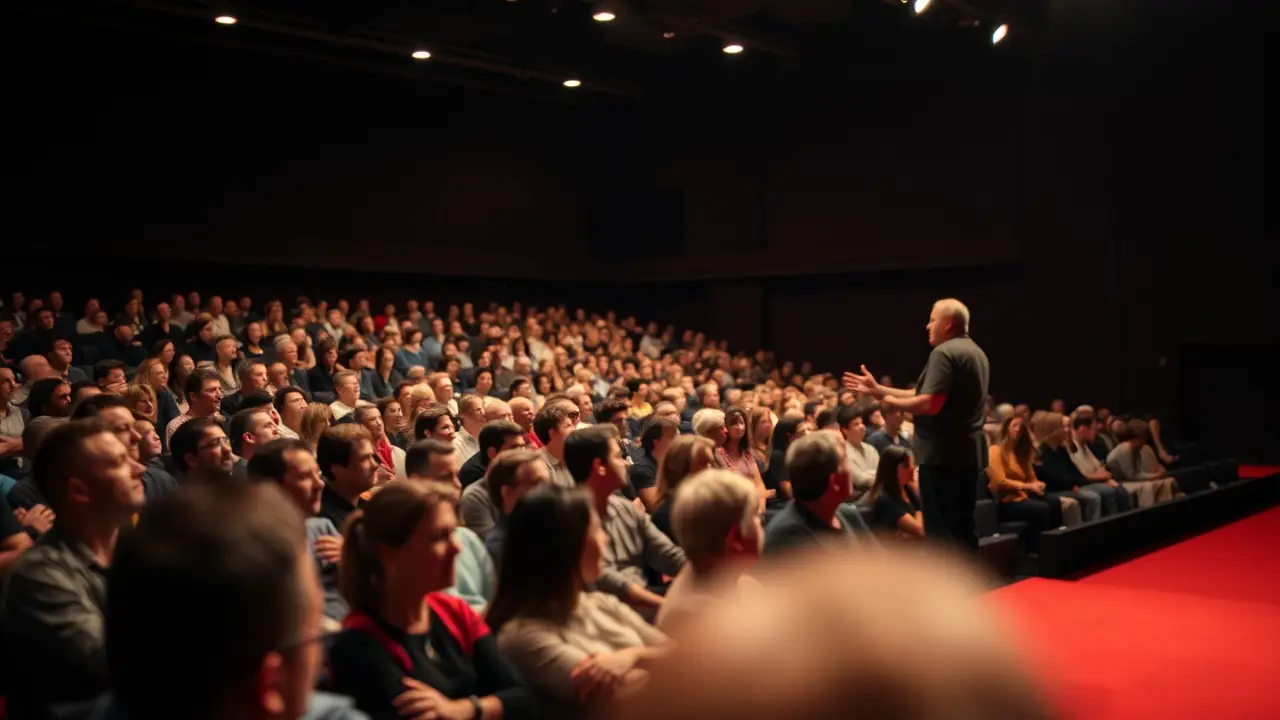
(759, 445)
(675, 465)
(1020, 449)
(389, 518)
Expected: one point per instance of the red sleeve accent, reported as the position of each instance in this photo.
(458, 617)
(360, 622)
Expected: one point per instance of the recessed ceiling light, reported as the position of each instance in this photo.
(668, 34)
(1001, 33)
(225, 20)
(421, 55)
(604, 17)
(922, 5)
(733, 49)
(572, 83)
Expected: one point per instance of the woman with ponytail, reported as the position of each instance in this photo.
(408, 650)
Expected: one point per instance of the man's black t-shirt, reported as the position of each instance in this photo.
(953, 438)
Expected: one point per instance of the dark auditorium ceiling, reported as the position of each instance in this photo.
(527, 47)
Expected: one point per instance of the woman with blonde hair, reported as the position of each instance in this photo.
(410, 649)
(141, 399)
(154, 374)
(315, 420)
(419, 397)
(687, 455)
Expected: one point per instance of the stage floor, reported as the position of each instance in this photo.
(1192, 630)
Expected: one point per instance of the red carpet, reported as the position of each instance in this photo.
(1190, 631)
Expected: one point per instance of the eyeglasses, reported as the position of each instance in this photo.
(216, 442)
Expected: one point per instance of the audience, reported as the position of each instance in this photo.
(575, 647)
(895, 498)
(291, 464)
(821, 484)
(586, 534)
(408, 647)
(716, 522)
(634, 546)
(227, 568)
(56, 593)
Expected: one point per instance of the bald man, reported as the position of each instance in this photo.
(832, 628)
(495, 409)
(948, 405)
(522, 413)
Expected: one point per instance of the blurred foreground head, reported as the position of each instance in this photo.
(834, 636)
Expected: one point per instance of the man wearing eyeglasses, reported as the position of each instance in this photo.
(552, 425)
(238, 638)
(200, 447)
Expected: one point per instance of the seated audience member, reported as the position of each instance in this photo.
(390, 457)
(863, 459)
(350, 469)
(635, 545)
(150, 451)
(113, 410)
(316, 419)
(576, 648)
(716, 522)
(252, 375)
(523, 411)
(290, 404)
(735, 451)
(1056, 466)
(495, 437)
(821, 484)
(467, 437)
(512, 474)
(655, 438)
(394, 423)
(1050, 431)
(495, 409)
(292, 465)
(826, 620)
(204, 398)
(686, 457)
(827, 420)
(477, 508)
(383, 378)
(1011, 479)
(250, 429)
(320, 381)
(50, 397)
(614, 412)
(12, 423)
(1079, 450)
(249, 621)
(435, 461)
(346, 385)
(551, 427)
(788, 430)
(892, 433)
(1150, 485)
(23, 495)
(894, 499)
(141, 401)
(55, 595)
(434, 422)
(202, 450)
(408, 647)
(14, 539)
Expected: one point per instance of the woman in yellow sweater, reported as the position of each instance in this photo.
(1012, 480)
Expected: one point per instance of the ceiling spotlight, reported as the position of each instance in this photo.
(1001, 33)
(421, 55)
(733, 49)
(225, 20)
(668, 34)
(922, 5)
(572, 83)
(604, 17)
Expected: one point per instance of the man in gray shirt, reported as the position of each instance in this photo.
(949, 408)
(55, 597)
(634, 544)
